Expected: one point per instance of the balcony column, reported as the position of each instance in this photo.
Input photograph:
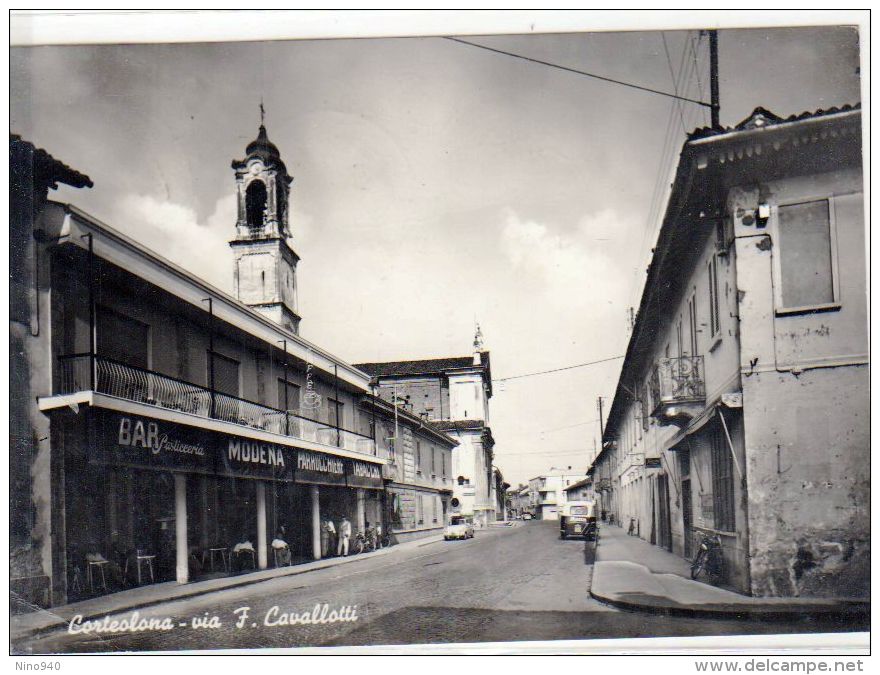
(361, 510)
(180, 528)
(316, 522)
(262, 552)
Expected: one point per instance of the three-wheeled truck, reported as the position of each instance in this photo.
(578, 519)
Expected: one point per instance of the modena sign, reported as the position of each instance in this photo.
(127, 440)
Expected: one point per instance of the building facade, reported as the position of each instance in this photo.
(581, 491)
(162, 424)
(742, 407)
(419, 470)
(453, 394)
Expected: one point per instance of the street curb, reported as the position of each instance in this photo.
(854, 609)
(195, 591)
(745, 613)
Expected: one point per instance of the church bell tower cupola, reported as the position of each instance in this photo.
(265, 263)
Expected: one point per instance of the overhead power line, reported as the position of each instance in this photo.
(555, 370)
(580, 72)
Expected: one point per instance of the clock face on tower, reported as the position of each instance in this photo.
(256, 167)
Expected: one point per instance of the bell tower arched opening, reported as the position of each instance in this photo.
(256, 206)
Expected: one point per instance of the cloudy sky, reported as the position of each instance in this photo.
(435, 183)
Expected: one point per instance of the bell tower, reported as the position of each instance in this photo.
(265, 263)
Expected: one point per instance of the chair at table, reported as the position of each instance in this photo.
(95, 564)
(214, 551)
(141, 560)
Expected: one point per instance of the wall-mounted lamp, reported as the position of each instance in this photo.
(763, 214)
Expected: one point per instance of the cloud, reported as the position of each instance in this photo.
(174, 232)
(581, 269)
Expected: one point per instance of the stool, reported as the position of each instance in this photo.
(250, 552)
(76, 584)
(222, 551)
(141, 559)
(100, 565)
(281, 550)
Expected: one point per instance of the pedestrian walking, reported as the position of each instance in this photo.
(344, 537)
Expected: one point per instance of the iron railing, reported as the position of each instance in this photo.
(676, 381)
(145, 386)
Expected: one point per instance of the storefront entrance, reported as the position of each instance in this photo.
(127, 479)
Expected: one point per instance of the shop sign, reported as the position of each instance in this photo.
(365, 475)
(707, 507)
(318, 468)
(130, 440)
(652, 463)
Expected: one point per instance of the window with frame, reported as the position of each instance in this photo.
(679, 337)
(334, 412)
(443, 464)
(722, 481)
(420, 510)
(288, 395)
(433, 461)
(226, 374)
(692, 324)
(806, 254)
(418, 457)
(714, 311)
(122, 338)
(644, 407)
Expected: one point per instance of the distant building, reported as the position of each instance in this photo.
(453, 394)
(742, 406)
(548, 491)
(581, 491)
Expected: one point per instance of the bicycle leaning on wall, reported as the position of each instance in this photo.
(709, 558)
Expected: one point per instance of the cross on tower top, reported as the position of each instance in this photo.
(262, 113)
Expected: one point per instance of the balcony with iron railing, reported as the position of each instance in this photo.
(678, 389)
(131, 383)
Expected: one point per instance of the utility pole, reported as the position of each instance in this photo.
(601, 430)
(713, 79)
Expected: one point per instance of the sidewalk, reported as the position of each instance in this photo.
(43, 620)
(660, 583)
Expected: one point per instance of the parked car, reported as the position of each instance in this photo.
(526, 516)
(577, 519)
(459, 527)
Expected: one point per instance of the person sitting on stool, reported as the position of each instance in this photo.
(244, 547)
(281, 547)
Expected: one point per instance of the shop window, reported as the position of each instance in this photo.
(122, 338)
(806, 264)
(722, 482)
(226, 374)
(288, 395)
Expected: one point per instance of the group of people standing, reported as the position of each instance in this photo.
(337, 538)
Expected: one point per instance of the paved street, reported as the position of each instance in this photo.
(519, 583)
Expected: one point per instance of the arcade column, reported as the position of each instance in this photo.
(181, 541)
(316, 523)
